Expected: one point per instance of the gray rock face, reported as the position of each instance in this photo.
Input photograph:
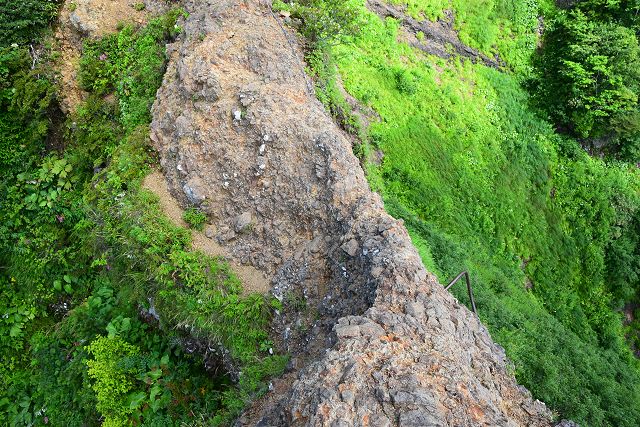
(243, 222)
(383, 343)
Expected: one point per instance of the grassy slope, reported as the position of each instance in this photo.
(484, 184)
(504, 27)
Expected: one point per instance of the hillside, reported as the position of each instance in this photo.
(242, 212)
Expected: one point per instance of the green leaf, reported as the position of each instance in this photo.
(135, 399)
(126, 324)
(68, 289)
(57, 285)
(67, 278)
(155, 374)
(164, 361)
(15, 331)
(155, 390)
(111, 330)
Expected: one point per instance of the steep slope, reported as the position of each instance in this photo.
(380, 343)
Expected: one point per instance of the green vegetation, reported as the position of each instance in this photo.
(21, 21)
(99, 292)
(549, 234)
(195, 218)
(508, 28)
(588, 75)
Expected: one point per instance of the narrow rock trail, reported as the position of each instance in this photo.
(377, 342)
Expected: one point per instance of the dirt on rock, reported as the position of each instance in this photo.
(80, 19)
(253, 280)
(375, 340)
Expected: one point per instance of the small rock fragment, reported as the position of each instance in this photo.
(243, 222)
(351, 247)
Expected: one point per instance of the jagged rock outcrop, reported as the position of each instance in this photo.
(380, 342)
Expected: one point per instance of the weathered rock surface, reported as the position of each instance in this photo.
(380, 342)
(95, 18)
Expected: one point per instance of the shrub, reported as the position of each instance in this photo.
(325, 22)
(112, 378)
(195, 218)
(27, 103)
(23, 20)
(588, 78)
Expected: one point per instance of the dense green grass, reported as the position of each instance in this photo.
(508, 28)
(484, 184)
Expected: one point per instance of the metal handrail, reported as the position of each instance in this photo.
(454, 281)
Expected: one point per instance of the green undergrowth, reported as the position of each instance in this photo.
(100, 292)
(508, 28)
(549, 234)
(195, 218)
(22, 21)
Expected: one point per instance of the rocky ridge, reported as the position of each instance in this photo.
(377, 342)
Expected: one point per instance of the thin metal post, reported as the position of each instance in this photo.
(469, 288)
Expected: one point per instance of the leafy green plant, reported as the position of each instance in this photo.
(112, 378)
(325, 22)
(195, 218)
(132, 64)
(53, 177)
(27, 103)
(22, 20)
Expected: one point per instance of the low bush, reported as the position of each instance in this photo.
(22, 21)
(195, 218)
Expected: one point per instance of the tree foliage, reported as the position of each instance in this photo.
(21, 21)
(588, 76)
(325, 22)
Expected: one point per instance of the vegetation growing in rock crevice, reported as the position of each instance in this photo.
(548, 233)
(98, 288)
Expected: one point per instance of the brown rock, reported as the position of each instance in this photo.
(316, 187)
